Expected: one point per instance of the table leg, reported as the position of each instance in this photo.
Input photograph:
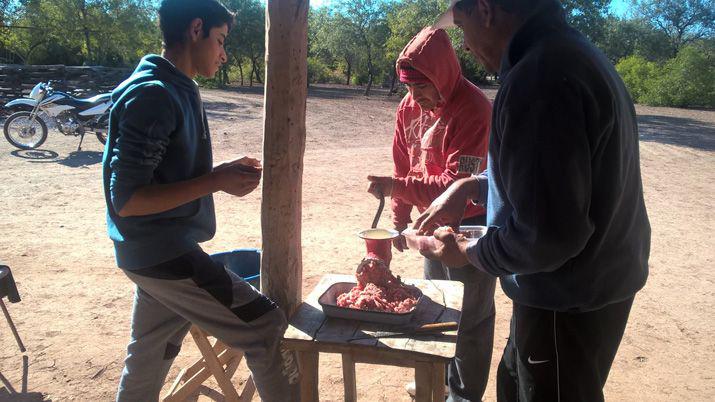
(349, 378)
(308, 364)
(423, 382)
(438, 382)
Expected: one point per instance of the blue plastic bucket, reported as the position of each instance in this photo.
(245, 262)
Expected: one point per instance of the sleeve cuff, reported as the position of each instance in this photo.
(483, 183)
(473, 257)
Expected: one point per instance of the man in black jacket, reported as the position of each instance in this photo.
(569, 236)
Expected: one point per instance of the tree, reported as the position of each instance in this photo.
(246, 42)
(71, 31)
(683, 21)
(404, 21)
(366, 21)
(688, 80)
(332, 38)
(588, 16)
(637, 74)
(626, 37)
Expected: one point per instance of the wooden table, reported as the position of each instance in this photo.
(311, 332)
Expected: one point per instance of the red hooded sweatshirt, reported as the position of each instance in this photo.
(429, 145)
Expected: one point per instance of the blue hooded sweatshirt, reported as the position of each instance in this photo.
(158, 134)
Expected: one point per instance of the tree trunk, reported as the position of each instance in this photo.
(369, 84)
(393, 83)
(370, 71)
(240, 70)
(349, 72)
(370, 74)
(257, 70)
(283, 150)
(85, 28)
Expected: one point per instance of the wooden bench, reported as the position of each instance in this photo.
(311, 333)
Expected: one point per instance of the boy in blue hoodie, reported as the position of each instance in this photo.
(158, 183)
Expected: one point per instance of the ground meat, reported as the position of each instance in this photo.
(379, 290)
(375, 271)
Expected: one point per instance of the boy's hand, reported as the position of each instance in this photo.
(244, 160)
(380, 186)
(239, 177)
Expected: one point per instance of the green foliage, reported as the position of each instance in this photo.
(406, 19)
(318, 71)
(332, 40)
(638, 74)
(664, 50)
(688, 80)
(106, 32)
(365, 21)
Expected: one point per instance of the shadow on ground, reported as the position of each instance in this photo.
(323, 91)
(36, 155)
(74, 159)
(677, 131)
(81, 158)
(10, 392)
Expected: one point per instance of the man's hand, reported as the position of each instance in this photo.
(399, 242)
(380, 186)
(451, 248)
(239, 177)
(448, 208)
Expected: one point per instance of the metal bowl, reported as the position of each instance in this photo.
(378, 234)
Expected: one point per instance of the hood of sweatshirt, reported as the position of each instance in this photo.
(156, 68)
(431, 53)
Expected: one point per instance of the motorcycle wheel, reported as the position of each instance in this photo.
(23, 133)
(102, 137)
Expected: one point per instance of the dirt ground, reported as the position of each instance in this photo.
(74, 316)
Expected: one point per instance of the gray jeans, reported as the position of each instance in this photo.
(193, 289)
(468, 372)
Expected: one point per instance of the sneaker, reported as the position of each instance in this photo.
(411, 389)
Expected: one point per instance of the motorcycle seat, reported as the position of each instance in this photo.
(95, 99)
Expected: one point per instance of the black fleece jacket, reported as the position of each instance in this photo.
(569, 228)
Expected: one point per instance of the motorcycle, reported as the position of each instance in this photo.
(27, 129)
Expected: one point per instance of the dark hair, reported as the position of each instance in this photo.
(175, 16)
(519, 7)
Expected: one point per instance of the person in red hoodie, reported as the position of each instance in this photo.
(441, 135)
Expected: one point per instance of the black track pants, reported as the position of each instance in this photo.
(558, 356)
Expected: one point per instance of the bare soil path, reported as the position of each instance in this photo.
(74, 317)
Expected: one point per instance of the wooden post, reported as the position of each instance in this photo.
(286, 83)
